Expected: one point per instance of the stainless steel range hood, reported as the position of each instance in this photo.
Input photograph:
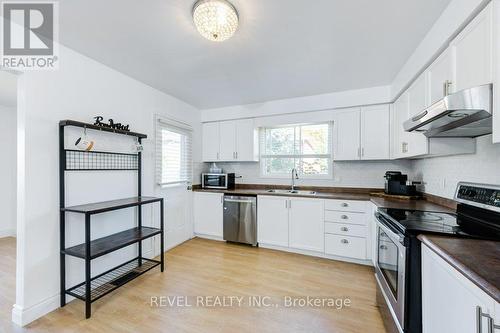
(466, 113)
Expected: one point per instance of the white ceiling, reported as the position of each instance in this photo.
(283, 48)
(8, 89)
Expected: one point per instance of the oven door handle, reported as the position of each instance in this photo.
(388, 230)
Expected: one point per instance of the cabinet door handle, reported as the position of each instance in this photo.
(344, 229)
(479, 321)
(286, 204)
(344, 217)
(344, 241)
(289, 203)
(383, 247)
(359, 151)
(344, 204)
(217, 155)
(446, 87)
(236, 154)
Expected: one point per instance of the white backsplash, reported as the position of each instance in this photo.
(441, 174)
(346, 174)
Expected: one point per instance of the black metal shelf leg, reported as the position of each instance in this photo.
(162, 236)
(62, 218)
(88, 302)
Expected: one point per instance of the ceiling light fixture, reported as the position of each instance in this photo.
(216, 20)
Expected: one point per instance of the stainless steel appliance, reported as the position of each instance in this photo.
(223, 181)
(466, 113)
(240, 219)
(398, 264)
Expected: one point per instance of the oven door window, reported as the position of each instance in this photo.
(215, 180)
(388, 254)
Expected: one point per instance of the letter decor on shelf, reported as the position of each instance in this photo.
(111, 124)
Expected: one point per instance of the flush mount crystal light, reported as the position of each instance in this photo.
(216, 20)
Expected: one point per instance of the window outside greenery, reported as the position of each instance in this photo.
(306, 148)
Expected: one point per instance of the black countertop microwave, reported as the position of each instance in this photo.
(223, 181)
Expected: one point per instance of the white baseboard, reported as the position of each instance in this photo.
(7, 233)
(24, 316)
(217, 238)
(367, 262)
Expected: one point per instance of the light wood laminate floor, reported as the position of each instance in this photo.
(209, 268)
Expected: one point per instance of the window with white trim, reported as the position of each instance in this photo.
(307, 148)
(174, 164)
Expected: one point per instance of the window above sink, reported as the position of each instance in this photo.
(307, 148)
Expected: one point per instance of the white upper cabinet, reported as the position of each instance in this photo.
(347, 135)
(232, 140)
(417, 96)
(440, 77)
(247, 141)
(227, 140)
(496, 71)
(472, 52)
(362, 134)
(306, 224)
(211, 141)
(375, 132)
(400, 136)
(417, 102)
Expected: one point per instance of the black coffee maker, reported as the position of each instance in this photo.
(396, 184)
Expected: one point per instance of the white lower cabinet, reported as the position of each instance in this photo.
(373, 234)
(272, 220)
(208, 214)
(295, 223)
(326, 228)
(450, 301)
(346, 231)
(306, 224)
(345, 246)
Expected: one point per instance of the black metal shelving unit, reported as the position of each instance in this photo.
(93, 288)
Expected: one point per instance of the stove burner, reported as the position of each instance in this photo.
(425, 217)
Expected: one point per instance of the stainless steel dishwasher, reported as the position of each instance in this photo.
(240, 219)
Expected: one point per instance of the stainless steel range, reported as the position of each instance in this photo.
(398, 265)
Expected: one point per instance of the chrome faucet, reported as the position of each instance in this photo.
(295, 175)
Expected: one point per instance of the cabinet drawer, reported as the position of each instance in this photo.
(345, 229)
(345, 217)
(346, 205)
(345, 246)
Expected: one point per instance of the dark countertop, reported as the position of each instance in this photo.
(319, 194)
(410, 205)
(345, 194)
(478, 260)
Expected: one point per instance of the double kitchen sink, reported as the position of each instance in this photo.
(292, 192)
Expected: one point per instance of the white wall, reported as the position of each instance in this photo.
(375, 95)
(80, 89)
(8, 171)
(345, 174)
(441, 174)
